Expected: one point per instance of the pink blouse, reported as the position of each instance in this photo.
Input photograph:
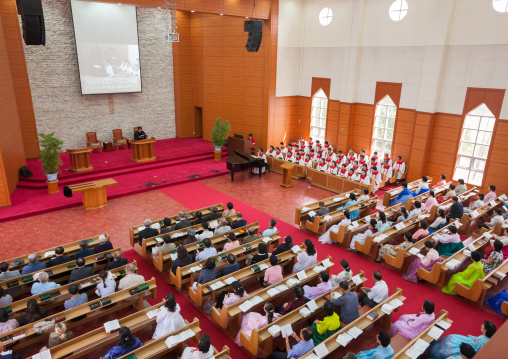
(432, 255)
(231, 245)
(273, 275)
(429, 203)
(421, 233)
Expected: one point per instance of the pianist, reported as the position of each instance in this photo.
(139, 134)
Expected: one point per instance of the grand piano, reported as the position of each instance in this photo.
(238, 161)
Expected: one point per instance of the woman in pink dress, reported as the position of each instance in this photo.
(430, 202)
(253, 320)
(410, 325)
(231, 243)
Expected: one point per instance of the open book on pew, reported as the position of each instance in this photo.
(43, 355)
(179, 338)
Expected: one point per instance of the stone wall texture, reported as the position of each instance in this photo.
(54, 82)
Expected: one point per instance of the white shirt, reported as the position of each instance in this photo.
(110, 287)
(415, 212)
(378, 292)
(168, 322)
(439, 220)
(496, 219)
(477, 204)
(304, 261)
(205, 234)
(423, 185)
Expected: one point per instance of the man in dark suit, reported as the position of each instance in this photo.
(167, 226)
(456, 210)
(118, 261)
(240, 222)
(81, 272)
(103, 246)
(59, 257)
(199, 218)
(182, 222)
(283, 247)
(140, 134)
(214, 215)
(147, 232)
(322, 211)
(85, 251)
(231, 267)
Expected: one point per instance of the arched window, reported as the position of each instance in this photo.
(384, 126)
(318, 121)
(474, 145)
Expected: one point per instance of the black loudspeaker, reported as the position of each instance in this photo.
(25, 172)
(32, 20)
(255, 30)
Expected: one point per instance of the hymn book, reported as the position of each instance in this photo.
(286, 330)
(152, 313)
(112, 325)
(43, 355)
(321, 350)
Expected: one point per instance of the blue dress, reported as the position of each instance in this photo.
(450, 345)
(402, 197)
(117, 351)
(379, 353)
(354, 214)
(423, 190)
(496, 301)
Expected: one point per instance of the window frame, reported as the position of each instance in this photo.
(472, 158)
(316, 137)
(385, 127)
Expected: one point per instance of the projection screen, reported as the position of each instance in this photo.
(107, 47)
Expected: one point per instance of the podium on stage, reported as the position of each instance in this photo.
(238, 143)
(80, 159)
(94, 193)
(142, 150)
(287, 169)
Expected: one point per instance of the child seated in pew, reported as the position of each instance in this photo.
(439, 223)
(449, 244)
(306, 258)
(383, 351)
(325, 238)
(411, 325)
(295, 303)
(473, 272)
(326, 327)
(348, 303)
(323, 286)
(253, 320)
(127, 344)
(427, 262)
(304, 344)
(183, 258)
(361, 237)
(228, 299)
(422, 232)
(495, 258)
(273, 274)
(59, 336)
(404, 214)
(168, 317)
(393, 249)
(203, 351)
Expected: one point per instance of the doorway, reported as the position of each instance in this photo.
(198, 121)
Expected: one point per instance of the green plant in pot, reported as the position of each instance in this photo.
(49, 155)
(220, 132)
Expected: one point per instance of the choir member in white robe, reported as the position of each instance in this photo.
(332, 169)
(279, 154)
(376, 177)
(319, 156)
(343, 171)
(310, 143)
(361, 237)
(325, 238)
(298, 159)
(351, 155)
(351, 175)
(262, 156)
(349, 164)
(302, 160)
(386, 169)
(362, 160)
(283, 148)
(331, 154)
(363, 178)
(322, 166)
(271, 152)
(328, 160)
(313, 156)
(400, 167)
(290, 157)
(388, 159)
(308, 162)
(365, 155)
(327, 146)
(340, 158)
(302, 143)
(356, 167)
(373, 163)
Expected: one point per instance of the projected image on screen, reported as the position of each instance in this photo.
(107, 47)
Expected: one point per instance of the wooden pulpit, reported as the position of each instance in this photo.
(287, 169)
(80, 159)
(142, 150)
(93, 193)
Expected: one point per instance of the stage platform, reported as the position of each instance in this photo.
(178, 161)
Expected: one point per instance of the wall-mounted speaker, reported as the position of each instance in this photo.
(32, 20)
(255, 30)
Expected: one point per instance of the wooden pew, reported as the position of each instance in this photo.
(178, 237)
(185, 275)
(91, 341)
(371, 245)
(262, 340)
(119, 298)
(479, 288)
(218, 242)
(302, 216)
(483, 211)
(158, 349)
(398, 340)
(26, 281)
(393, 193)
(438, 272)
(297, 173)
(396, 173)
(134, 232)
(69, 250)
(362, 323)
(233, 313)
(60, 294)
(320, 225)
(438, 191)
(223, 354)
(403, 258)
(335, 183)
(287, 259)
(465, 199)
(345, 233)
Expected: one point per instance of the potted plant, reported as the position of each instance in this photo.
(219, 134)
(50, 155)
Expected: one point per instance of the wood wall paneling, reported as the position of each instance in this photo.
(360, 135)
(419, 141)
(343, 133)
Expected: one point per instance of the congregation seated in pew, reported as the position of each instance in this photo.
(117, 261)
(167, 246)
(6, 274)
(456, 210)
(325, 238)
(348, 303)
(228, 299)
(208, 273)
(254, 320)
(273, 274)
(299, 300)
(34, 265)
(473, 272)
(206, 232)
(286, 245)
(81, 271)
(427, 262)
(207, 252)
(251, 236)
(361, 237)
(383, 351)
(7, 324)
(330, 324)
(232, 242)
(127, 344)
(323, 286)
(449, 243)
(59, 335)
(203, 351)
(169, 318)
(183, 258)
(393, 249)
(271, 228)
(410, 325)
(43, 284)
(306, 258)
(107, 285)
(231, 267)
(61, 258)
(439, 222)
(148, 231)
(375, 295)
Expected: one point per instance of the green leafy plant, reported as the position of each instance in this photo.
(49, 154)
(220, 131)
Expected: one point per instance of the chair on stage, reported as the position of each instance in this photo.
(92, 141)
(118, 139)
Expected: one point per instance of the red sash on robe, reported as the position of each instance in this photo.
(261, 154)
(343, 170)
(328, 160)
(277, 153)
(361, 163)
(362, 177)
(282, 147)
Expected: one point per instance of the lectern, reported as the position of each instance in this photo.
(287, 169)
(94, 193)
(142, 150)
(80, 159)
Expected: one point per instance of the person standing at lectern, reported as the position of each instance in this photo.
(139, 134)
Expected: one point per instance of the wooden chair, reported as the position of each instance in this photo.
(118, 139)
(92, 141)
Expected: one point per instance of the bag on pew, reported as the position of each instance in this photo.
(44, 327)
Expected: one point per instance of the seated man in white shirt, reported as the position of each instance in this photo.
(476, 204)
(375, 295)
(417, 211)
(223, 228)
(271, 230)
(207, 252)
(206, 233)
(496, 218)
